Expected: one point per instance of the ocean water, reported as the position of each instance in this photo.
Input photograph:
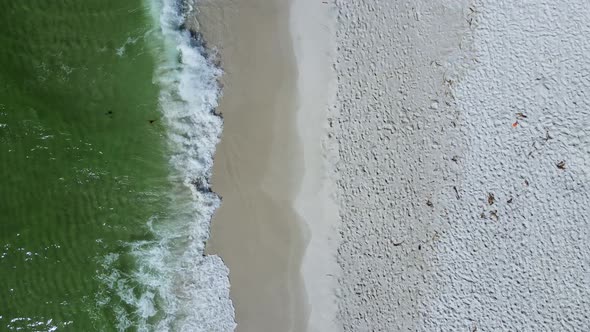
(106, 143)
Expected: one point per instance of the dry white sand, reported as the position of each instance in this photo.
(457, 211)
(313, 25)
(397, 128)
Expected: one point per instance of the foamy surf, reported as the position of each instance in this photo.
(173, 286)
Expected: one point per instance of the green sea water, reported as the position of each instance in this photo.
(83, 161)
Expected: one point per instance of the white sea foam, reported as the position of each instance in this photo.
(130, 41)
(174, 287)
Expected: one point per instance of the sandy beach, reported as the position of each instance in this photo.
(277, 225)
(383, 164)
(258, 165)
(295, 165)
(313, 30)
(463, 136)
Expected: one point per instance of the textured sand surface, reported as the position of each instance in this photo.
(453, 119)
(523, 262)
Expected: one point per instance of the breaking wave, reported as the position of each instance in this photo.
(172, 285)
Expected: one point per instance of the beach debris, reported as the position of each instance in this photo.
(547, 136)
(491, 198)
(530, 154)
(152, 121)
(456, 192)
(435, 236)
(509, 201)
(526, 182)
(455, 158)
(429, 203)
(419, 247)
(494, 215)
(561, 164)
(519, 116)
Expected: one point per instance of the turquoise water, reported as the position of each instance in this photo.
(105, 123)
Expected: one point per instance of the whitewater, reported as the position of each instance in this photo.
(173, 285)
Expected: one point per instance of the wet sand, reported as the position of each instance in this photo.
(257, 169)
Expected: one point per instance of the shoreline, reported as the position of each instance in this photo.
(257, 168)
